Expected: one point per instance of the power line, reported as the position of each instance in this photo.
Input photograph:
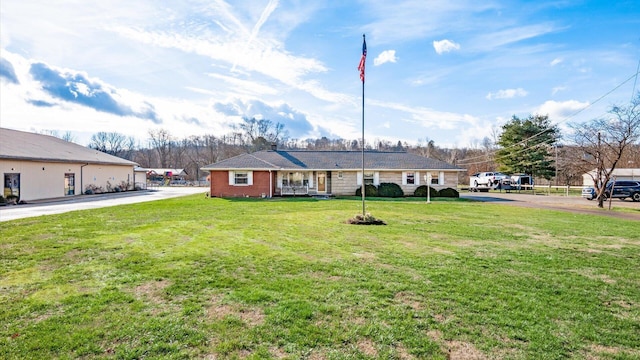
(512, 153)
(560, 121)
(633, 92)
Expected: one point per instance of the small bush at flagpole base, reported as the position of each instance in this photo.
(367, 219)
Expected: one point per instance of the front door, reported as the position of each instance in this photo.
(12, 185)
(322, 181)
(69, 184)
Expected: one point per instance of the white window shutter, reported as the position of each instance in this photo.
(404, 178)
(359, 178)
(376, 178)
(232, 178)
(249, 177)
(310, 177)
(441, 178)
(417, 178)
(279, 179)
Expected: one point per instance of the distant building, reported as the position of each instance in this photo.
(620, 174)
(36, 166)
(166, 176)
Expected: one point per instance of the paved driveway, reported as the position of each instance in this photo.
(574, 204)
(83, 202)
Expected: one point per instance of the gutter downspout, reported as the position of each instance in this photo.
(270, 185)
(82, 179)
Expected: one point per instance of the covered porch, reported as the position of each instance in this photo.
(303, 183)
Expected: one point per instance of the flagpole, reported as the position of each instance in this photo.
(364, 53)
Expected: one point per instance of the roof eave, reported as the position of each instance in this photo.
(65, 161)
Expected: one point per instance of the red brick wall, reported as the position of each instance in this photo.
(220, 185)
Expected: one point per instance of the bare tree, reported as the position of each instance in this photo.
(68, 136)
(162, 141)
(605, 141)
(145, 157)
(260, 134)
(569, 171)
(113, 143)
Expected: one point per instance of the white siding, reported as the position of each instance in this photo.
(45, 180)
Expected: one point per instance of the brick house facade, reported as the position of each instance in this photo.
(298, 172)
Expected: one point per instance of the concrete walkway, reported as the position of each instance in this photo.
(83, 202)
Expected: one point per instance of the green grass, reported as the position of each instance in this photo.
(288, 278)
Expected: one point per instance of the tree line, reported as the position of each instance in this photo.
(531, 145)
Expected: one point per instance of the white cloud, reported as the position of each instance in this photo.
(245, 86)
(561, 110)
(427, 117)
(507, 94)
(399, 21)
(443, 46)
(557, 89)
(556, 61)
(490, 41)
(271, 6)
(385, 57)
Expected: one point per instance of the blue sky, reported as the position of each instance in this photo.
(448, 71)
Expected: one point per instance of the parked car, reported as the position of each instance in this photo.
(588, 193)
(623, 189)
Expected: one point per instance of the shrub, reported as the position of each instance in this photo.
(93, 189)
(124, 186)
(449, 192)
(421, 191)
(12, 199)
(390, 190)
(369, 190)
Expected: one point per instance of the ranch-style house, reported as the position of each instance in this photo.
(275, 172)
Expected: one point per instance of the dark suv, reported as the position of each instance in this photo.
(623, 189)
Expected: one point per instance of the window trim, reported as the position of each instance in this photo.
(233, 174)
(416, 178)
(376, 178)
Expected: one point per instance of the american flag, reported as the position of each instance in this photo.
(363, 58)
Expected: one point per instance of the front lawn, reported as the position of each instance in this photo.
(288, 278)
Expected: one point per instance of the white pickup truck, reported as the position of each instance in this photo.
(487, 180)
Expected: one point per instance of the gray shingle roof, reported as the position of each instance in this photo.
(22, 145)
(329, 160)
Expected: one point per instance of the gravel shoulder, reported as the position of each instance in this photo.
(573, 204)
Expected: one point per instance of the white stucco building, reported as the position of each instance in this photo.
(36, 166)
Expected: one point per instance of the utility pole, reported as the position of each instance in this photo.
(556, 164)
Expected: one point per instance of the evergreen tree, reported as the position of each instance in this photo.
(526, 146)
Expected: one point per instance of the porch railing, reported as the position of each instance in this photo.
(294, 190)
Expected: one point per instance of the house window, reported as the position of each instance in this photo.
(437, 178)
(411, 178)
(368, 178)
(295, 179)
(340, 175)
(241, 178)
